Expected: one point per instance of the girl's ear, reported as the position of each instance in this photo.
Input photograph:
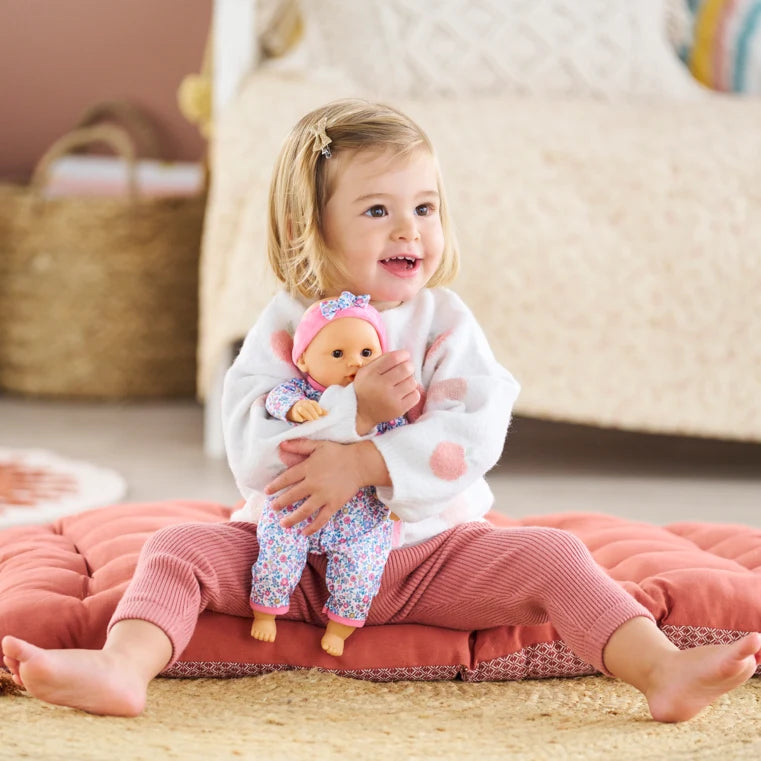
(301, 364)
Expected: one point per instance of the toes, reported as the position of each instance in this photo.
(17, 649)
(332, 648)
(749, 645)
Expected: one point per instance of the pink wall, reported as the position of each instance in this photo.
(58, 56)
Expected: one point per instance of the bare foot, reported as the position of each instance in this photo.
(93, 680)
(333, 640)
(264, 627)
(689, 680)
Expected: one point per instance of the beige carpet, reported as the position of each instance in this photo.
(309, 715)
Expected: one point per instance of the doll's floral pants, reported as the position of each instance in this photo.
(356, 541)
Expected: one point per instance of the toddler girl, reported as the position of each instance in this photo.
(335, 338)
(357, 204)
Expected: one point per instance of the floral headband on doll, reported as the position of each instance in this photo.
(327, 310)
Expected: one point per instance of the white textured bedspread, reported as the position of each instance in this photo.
(612, 251)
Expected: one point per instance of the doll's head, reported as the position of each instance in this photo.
(305, 176)
(336, 337)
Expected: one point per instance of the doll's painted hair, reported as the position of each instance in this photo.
(300, 189)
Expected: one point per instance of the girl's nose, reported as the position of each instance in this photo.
(406, 229)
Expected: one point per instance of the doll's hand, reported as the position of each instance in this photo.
(385, 389)
(305, 409)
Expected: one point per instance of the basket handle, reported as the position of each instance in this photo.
(125, 114)
(115, 137)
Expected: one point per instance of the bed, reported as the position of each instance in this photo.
(607, 205)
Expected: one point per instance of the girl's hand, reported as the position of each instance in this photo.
(386, 388)
(326, 479)
(327, 476)
(305, 409)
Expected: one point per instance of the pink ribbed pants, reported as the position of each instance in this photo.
(473, 576)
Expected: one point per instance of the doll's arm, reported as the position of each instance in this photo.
(289, 401)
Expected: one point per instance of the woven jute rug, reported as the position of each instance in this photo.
(316, 716)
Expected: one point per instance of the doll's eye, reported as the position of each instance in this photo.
(337, 353)
(367, 352)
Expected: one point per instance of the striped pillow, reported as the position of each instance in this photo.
(723, 46)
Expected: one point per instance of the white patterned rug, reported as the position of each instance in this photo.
(37, 486)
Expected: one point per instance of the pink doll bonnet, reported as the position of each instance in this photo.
(323, 312)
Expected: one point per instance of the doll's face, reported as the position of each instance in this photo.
(339, 350)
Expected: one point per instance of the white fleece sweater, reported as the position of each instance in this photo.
(437, 464)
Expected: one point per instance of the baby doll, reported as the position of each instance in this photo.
(334, 339)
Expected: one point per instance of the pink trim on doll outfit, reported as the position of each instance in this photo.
(274, 611)
(357, 624)
(323, 312)
(314, 384)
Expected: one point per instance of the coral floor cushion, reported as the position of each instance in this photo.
(59, 585)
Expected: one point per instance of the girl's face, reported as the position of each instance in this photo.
(336, 353)
(382, 223)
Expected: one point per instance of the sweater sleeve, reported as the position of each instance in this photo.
(467, 405)
(252, 436)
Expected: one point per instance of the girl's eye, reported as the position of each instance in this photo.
(376, 211)
(337, 353)
(424, 209)
(367, 352)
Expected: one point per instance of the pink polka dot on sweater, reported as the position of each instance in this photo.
(281, 344)
(451, 388)
(448, 461)
(437, 344)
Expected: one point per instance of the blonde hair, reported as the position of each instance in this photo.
(301, 188)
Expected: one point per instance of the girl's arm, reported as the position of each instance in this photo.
(327, 477)
(460, 433)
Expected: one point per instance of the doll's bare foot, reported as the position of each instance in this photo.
(264, 627)
(333, 639)
(97, 681)
(690, 680)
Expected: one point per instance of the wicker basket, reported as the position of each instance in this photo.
(98, 296)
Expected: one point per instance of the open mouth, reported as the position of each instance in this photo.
(401, 265)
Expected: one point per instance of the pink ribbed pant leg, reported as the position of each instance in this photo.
(191, 567)
(476, 576)
(471, 577)
(185, 569)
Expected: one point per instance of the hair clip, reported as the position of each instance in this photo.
(321, 140)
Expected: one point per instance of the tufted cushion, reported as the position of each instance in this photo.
(60, 583)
